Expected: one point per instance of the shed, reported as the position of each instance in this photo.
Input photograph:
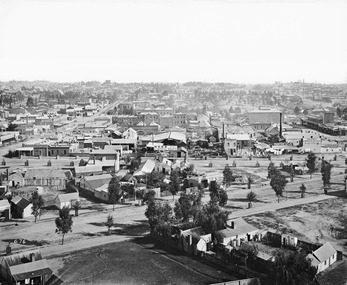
(25, 268)
(21, 207)
(66, 200)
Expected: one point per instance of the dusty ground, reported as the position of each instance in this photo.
(315, 222)
(134, 262)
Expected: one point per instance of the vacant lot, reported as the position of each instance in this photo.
(315, 222)
(135, 262)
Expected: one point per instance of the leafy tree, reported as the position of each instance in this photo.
(129, 189)
(326, 172)
(303, 190)
(155, 179)
(37, 202)
(109, 223)
(211, 218)
(134, 165)
(339, 112)
(76, 207)
(148, 196)
(218, 194)
(158, 213)
(186, 206)
(174, 183)
(188, 171)
(30, 101)
(278, 183)
(228, 176)
(311, 163)
(64, 222)
(292, 268)
(251, 196)
(271, 170)
(223, 197)
(296, 110)
(114, 190)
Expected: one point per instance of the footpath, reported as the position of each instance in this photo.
(278, 206)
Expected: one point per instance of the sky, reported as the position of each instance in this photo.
(251, 41)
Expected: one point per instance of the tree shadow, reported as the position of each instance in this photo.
(137, 229)
(27, 242)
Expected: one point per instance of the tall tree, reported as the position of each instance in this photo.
(155, 179)
(211, 218)
(271, 170)
(174, 183)
(303, 190)
(218, 194)
(158, 213)
(134, 165)
(311, 163)
(30, 101)
(296, 110)
(228, 176)
(37, 202)
(114, 190)
(292, 268)
(109, 223)
(64, 222)
(187, 205)
(326, 172)
(278, 183)
(76, 206)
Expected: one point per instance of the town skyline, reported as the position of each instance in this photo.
(251, 42)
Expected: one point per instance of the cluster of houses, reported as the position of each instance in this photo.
(239, 235)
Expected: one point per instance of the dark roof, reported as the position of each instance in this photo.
(30, 270)
(23, 203)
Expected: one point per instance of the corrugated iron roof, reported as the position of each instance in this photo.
(324, 252)
(44, 173)
(30, 270)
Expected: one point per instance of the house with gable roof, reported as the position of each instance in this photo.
(195, 240)
(25, 268)
(21, 207)
(48, 178)
(323, 257)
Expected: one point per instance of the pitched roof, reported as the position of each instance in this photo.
(88, 168)
(30, 269)
(324, 252)
(240, 227)
(68, 197)
(23, 203)
(96, 181)
(15, 200)
(18, 258)
(45, 173)
(145, 168)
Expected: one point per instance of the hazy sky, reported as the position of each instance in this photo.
(172, 40)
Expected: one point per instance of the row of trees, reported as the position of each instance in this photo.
(278, 181)
(189, 209)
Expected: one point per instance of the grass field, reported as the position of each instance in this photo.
(140, 261)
